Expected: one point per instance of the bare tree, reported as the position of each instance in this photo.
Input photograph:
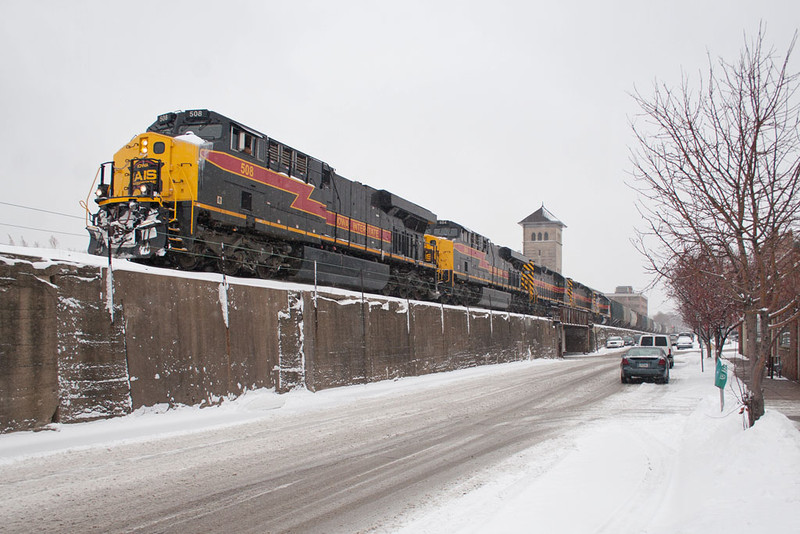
(698, 284)
(717, 172)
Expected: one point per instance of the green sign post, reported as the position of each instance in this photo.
(720, 379)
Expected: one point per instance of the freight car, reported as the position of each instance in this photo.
(199, 191)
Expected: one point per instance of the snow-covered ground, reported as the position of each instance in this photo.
(654, 470)
(695, 473)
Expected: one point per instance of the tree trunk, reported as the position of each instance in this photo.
(719, 343)
(757, 351)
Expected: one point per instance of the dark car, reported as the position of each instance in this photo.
(646, 363)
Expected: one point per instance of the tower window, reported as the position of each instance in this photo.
(545, 237)
(540, 236)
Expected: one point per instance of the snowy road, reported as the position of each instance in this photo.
(544, 445)
(338, 468)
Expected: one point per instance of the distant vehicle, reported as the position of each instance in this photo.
(673, 338)
(629, 341)
(645, 363)
(684, 342)
(614, 342)
(659, 340)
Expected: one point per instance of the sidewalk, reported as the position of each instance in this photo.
(783, 395)
(780, 394)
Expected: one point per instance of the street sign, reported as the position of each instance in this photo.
(721, 375)
(720, 379)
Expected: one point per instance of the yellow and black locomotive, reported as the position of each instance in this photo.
(200, 191)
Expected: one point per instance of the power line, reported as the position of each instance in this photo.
(40, 229)
(43, 211)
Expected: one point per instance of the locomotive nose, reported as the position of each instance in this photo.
(146, 169)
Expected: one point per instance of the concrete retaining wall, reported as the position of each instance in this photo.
(76, 344)
(29, 388)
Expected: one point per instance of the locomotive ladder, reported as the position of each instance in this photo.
(174, 231)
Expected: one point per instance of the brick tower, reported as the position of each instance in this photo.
(541, 238)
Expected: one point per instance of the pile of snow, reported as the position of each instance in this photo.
(191, 137)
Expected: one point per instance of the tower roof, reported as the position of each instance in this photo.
(542, 215)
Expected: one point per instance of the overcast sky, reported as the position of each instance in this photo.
(478, 111)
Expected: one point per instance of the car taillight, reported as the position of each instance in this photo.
(625, 361)
(662, 362)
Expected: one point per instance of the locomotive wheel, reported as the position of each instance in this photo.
(449, 298)
(393, 287)
(290, 262)
(419, 290)
(400, 285)
(407, 285)
(390, 288)
(461, 295)
(232, 262)
(186, 261)
(268, 268)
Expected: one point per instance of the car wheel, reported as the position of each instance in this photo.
(623, 378)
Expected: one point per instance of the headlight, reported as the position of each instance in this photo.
(144, 189)
(143, 148)
(102, 191)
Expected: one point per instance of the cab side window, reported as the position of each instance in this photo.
(242, 141)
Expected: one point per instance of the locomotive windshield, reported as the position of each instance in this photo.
(451, 232)
(206, 131)
(199, 121)
(447, 229)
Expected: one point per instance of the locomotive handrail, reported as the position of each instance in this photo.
(85, 205)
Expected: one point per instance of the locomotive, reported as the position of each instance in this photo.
(199, 191)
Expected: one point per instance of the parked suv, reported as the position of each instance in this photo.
(658, 340)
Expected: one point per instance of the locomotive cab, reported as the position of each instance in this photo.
(147, 180)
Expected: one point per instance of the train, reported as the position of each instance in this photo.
(200, 191)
